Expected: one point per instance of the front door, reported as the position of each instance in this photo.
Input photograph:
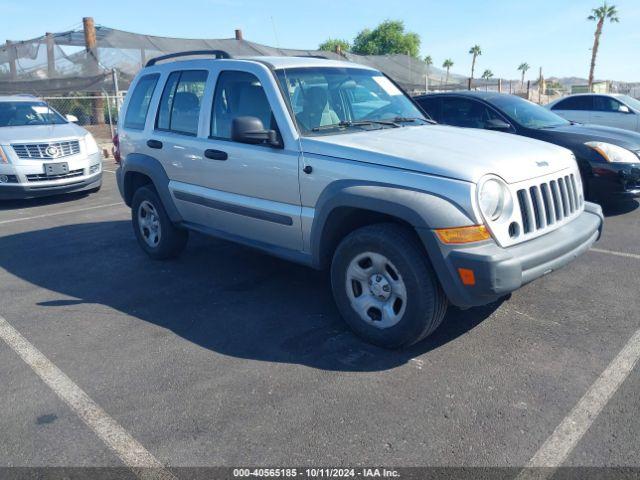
(612, 113)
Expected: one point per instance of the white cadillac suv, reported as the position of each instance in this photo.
(43, 153)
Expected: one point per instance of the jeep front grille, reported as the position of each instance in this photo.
(539, 206)
(542, 205)
(46, 151)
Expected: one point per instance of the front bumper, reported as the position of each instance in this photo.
(499, 271)
(25, 191)
(614, 182)
(23, 186)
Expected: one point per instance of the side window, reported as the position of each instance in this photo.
(463, 112)
(582, 102)
(139, 103)
(606, 104)
(179, 108)
(238, 94)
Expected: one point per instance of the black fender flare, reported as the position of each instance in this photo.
(152, 168)
(420, 209)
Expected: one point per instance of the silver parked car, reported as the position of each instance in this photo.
(330, 164)
(609, 110)
(43, 153)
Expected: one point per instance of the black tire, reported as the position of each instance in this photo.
(426, 303)
(171, 240)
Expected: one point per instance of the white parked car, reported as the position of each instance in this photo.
(43, 153)
(610, 110)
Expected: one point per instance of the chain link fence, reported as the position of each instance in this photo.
(98, 113)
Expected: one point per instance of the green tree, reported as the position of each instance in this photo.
(600, 15)
(387, 38)
(448, 63)
(475, 51)
(331, 44)
(523, 68)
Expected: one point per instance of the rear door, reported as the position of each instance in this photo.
(249, 191)
(610, 112)
(576, 109)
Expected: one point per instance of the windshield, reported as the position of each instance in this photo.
(632, 102)
(19, 114)
(526, 113)
(333, 100)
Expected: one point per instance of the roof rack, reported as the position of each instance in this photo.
(216, 54)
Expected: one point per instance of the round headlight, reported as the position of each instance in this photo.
(492, 199)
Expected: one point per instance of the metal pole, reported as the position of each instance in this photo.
(116, 89)
(109, 114)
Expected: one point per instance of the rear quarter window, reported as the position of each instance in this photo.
(140, 100)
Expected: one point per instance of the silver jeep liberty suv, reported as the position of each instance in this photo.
(331, 164)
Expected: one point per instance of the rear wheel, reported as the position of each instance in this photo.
(385, 287)
(153, 228)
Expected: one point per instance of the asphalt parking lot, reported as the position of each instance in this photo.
(226, 356)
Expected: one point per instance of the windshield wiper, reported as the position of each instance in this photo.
(358, 123)
(412, 119)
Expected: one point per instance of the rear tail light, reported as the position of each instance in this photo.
(116, 148)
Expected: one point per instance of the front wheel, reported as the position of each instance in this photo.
(385, 287)
(153, 228)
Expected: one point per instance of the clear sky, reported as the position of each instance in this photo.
(551, 34)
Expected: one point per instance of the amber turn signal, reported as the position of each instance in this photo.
(475, 233)
(467, 276)
(3, 157)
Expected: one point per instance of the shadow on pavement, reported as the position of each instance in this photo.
(218, 295)
(42, 201)
(614, 209)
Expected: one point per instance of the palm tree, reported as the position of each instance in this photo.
(600, 15)
(475, 51)
(486, 75)
(524, 67)
(448, 63)
(429, 61)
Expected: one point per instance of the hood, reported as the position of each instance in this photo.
(461, 153)
(589, 133)
(39, 133)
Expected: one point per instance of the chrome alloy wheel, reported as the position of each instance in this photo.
(376, 290)
(149, 223)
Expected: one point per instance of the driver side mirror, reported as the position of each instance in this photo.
(623, 109)
(497, 125)
(251, 130)
(71, 118)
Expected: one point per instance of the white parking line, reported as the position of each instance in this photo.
(64, 212)
(132, 453)
(618, 254)
(555, 450)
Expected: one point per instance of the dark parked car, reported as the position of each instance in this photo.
(608, 158)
